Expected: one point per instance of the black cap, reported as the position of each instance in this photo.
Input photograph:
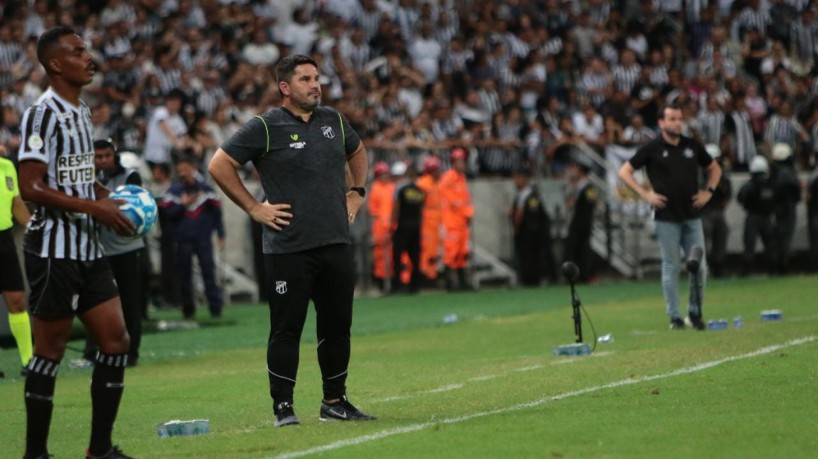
(105, 143)
(176, 93)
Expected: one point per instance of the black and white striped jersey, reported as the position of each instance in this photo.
(55, 132)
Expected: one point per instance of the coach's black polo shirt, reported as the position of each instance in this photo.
(673, 171)
(300, 163)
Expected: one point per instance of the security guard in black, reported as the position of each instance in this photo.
(673, 171)
(406, 217)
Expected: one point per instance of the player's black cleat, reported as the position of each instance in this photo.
(677, 324)
(697, 323)
(342, 410)
(285, 415)
(41, 456)
(114, 453)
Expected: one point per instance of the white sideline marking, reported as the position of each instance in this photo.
(483, 378)
(802, 319)
(643, 332)
(622, 382)
(437, 390)
(531, 368)
(448, 388)
(392, 398)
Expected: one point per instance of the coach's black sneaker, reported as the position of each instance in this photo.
(285, 415)
(677, 324)
(114, 453)
(342, 410)
(697, 323)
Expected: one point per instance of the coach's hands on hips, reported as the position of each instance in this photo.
(354, 201)
(272, 215)
(701, 198)
(655, 199)
(106, 211)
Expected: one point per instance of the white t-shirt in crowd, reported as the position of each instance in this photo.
(157, 144)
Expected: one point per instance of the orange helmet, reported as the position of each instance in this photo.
(431, 164)
(380, 168)
(458, 153)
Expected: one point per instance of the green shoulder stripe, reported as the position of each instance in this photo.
(267, 130)
(343, 133)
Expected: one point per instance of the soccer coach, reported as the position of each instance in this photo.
(300, 151)
(673, 163)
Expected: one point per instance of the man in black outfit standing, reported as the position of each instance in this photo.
(787, 196)
(757, 196)
(124, 255)
(532, 231)
(812, 217)
(300, 150)
(581, 203)
(714, 220)
(406, 220)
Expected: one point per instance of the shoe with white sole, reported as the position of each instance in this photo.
(342, 410)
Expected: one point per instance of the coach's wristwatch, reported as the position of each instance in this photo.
(711, 190)
(359, 189)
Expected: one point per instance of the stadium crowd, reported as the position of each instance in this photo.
(517, 84)
(512, 80)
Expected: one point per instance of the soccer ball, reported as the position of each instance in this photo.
(140, 208)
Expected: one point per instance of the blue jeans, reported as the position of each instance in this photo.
(673, 236)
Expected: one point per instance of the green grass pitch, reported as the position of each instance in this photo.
(486, 386)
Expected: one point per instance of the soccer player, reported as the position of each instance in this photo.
(11, 276)
(67, 271)
(300, 150)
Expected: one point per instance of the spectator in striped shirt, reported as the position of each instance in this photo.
(596, 81)
(803, 33)
(10, 52)
(626, 74)
(740, 142)
(784, 127)
(636, 133)
(753, 16)
(711, 121)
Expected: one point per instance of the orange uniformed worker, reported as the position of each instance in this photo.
(381, 196)
(457, 211)
(429, 182)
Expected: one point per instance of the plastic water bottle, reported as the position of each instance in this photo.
(608, 338)
(450, 319)
(177, 428)
(771, 314)
(719, 324)
(738, 322)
